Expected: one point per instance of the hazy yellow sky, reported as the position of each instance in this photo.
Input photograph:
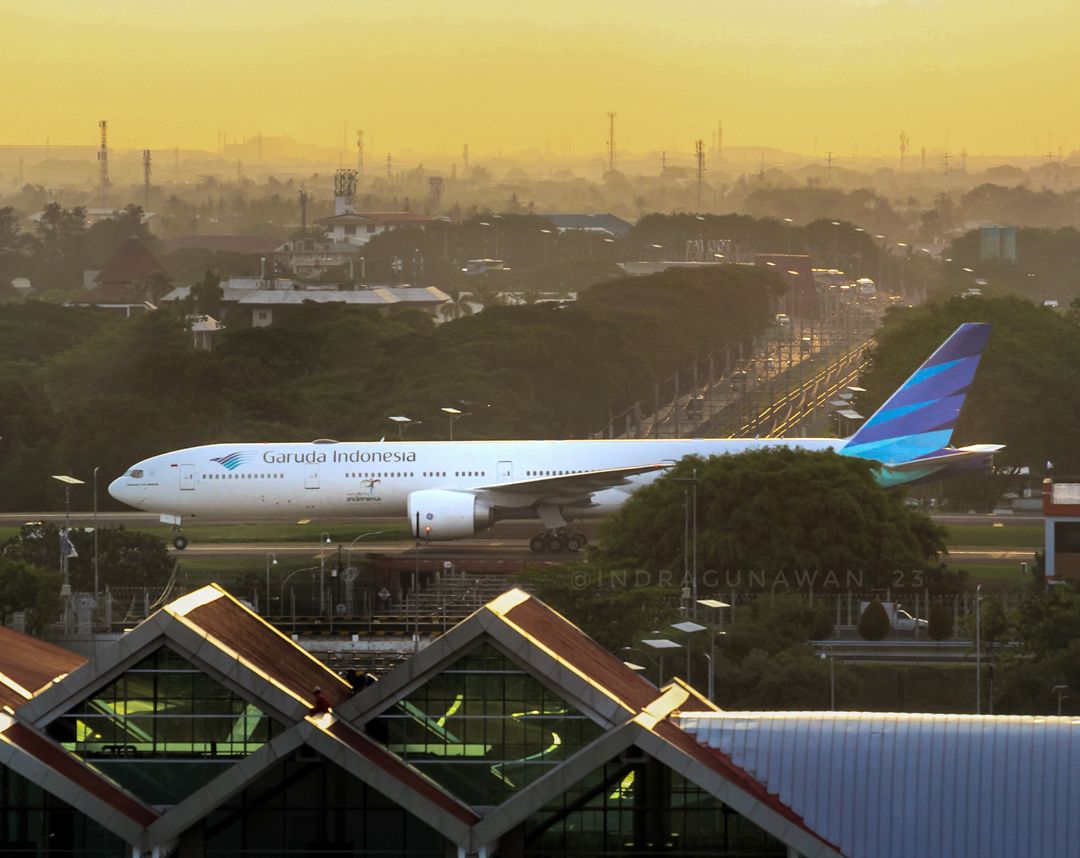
(993, 76)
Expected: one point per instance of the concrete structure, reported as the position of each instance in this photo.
(259, 302)
(205, 732)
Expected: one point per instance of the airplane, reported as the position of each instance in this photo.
(453, 489)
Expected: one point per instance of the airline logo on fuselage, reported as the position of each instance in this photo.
(234, 460)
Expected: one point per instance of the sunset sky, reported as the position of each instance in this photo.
(994, 76)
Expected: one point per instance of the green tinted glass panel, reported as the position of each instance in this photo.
(164, 728)
(484, 728)
(636, 805)
(35, 823)
(307, 806)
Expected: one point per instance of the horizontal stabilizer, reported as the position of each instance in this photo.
(948, 456)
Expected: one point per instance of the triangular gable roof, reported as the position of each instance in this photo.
(47, 764)
(542, 641)
(27, 665)
(132, 263)
(653, 732)
(216, 632)
(347, 747)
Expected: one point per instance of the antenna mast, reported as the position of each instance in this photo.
(103, 158)
(699, 150)
(360, 154)
(146, 178)
(611, 142)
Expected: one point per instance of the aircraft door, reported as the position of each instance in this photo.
(311, 476)
(187, 478)
(506, 472)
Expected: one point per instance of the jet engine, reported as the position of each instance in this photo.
(447, 514)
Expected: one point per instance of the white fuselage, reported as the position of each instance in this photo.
(374, 479)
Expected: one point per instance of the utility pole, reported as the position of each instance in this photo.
(611, 142)
(103, 159)
(699, 150)
(303, 211)
(146, 178)
(903, 148)
(360, 155)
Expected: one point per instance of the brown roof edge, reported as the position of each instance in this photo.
(49, 754)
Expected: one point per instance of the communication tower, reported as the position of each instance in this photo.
(611, 142)
(360, 155)
(344, 191)
(435, 189)
(699, 151)
(146, 178)
(103, 158)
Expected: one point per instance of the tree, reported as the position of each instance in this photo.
(605, 602)
(126, 558)
(940, 622)
(458, 305)
(1046, 631)
(207, 295)
(874, 622)
(778, 509)
(25, 587)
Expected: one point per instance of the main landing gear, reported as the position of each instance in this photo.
(555, 541)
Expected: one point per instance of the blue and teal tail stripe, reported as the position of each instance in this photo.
(919, 418)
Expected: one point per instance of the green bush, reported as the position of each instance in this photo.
(874, 623)
(940, 622)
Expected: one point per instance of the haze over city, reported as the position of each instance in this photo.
(840, 76)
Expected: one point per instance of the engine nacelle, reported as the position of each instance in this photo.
(445, 514)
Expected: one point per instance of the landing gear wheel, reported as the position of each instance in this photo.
(582, 539)
(572, 543)
(537, 544)
(554, 544)
(180, 542)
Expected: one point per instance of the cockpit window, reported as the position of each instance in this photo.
(137, 473)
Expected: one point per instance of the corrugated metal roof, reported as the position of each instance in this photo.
(881, 785)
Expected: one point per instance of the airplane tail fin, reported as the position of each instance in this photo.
(917, 421)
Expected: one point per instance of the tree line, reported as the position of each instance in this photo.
(81, 390)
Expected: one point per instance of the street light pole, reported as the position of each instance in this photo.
(96, 536)
(1059, 689)
(65, 544)
(322, 572)
(268, 564)
(978, 651)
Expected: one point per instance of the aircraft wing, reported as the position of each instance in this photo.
(563, 487)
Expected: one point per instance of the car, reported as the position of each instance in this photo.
(806, 344)
(904, 622)
(783, 320)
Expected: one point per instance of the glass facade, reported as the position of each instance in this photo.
(35, 824)
(310, 807)
(638, 806)
(163, 729)
(483, 728)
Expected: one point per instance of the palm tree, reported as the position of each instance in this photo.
(458, 305)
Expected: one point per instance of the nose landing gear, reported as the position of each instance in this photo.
(180, 542)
